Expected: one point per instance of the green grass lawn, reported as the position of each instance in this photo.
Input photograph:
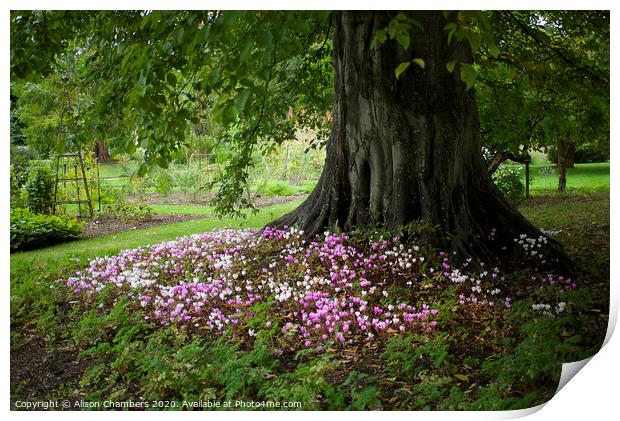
(109, 244)
(183, 210)
(582, 221)
(112, 169)
(582, 178)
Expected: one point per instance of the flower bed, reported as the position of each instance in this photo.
(333, 290)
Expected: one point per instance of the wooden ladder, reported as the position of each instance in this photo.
(78, 161)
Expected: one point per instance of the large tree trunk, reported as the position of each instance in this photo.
(407, 149)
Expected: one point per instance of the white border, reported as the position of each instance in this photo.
(591, 394)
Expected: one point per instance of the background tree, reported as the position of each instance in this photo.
(549, 82)
(56, 109)
(16, 125)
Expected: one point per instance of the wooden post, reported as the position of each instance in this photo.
(527, 159)
(77, 186)
(98, 188)
(56, 186)
(88, 199)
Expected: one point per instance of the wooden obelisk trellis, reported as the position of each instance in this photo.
(78, 161)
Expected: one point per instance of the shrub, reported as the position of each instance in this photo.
(307, 187)
(107, 194)
(508, 180)
(192, 179)
(40, 186)
(30, 230)
(271, 188)
(21, 155)
(163, 182)
(18, 198)
(20, 161)
(120, 208)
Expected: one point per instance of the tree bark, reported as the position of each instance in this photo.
(561, 166)
(502, 156)
(101, 152)
(527, 179)
(566, 159)
(561, 178)
(408, 149)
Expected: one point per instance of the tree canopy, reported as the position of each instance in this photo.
(539, 74)
(549, 81)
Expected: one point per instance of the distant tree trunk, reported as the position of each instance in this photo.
(101, 152)
(526, 160)
(566, 159)
(570, 154)
(561, 178)
(527, 179)
(408, 149)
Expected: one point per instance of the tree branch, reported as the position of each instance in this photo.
(527, 30)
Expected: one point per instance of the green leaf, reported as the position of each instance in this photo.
(451, 28)
(278, 33)
(214, 76)
(266, 39)
(230, 114)
(302, 26)
(468, 74)
(401, 68)
(245, 51)
(162, 162)
(246, 81)
(379, 38)
(493, 49)
(241, 100)
(178, 35)
(172, 79)
(450, 65)
(419, 62)
(473, 39)
(264, 73)
(403, 40)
